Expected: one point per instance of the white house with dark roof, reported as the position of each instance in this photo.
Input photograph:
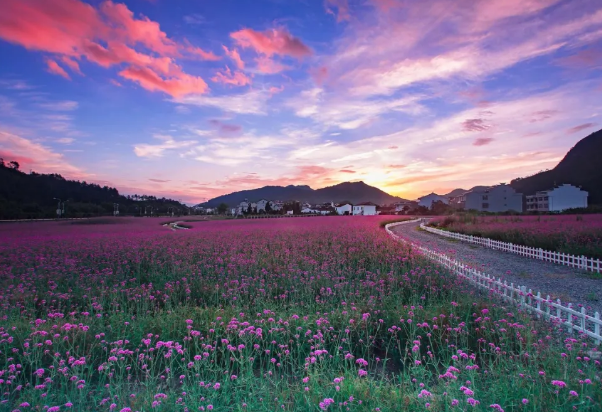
(261, 204)
(344, 208)
(557, 199)
(365, 209)
(428, 200)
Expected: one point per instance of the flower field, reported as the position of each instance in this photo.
(579, 235)
(317, 314)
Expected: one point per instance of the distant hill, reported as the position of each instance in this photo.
(31, 196)
(460, 192)
(354, 192)
(582, 166)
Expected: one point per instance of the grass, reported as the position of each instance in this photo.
(288, 315)
(570, 234)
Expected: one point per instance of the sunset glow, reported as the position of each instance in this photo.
(192, 100)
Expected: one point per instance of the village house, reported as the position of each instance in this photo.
(428, 200)
(404, 206)
(261, 205)
(458, 202)
(557, 199)
(364, 209)
(344, 208)
(276, 205)
(500, 198)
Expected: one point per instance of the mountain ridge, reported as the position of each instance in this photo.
(579, 167)
(354, 192)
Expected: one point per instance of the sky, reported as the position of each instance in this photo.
(192, 99)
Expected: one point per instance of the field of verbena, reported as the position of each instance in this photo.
(264, 315)
(579, 235)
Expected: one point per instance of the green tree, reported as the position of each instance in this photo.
(222, 208)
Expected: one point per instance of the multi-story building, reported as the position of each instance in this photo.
(428, 200)
(557, 199)
(500, 198)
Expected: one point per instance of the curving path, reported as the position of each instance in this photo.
(561, 282)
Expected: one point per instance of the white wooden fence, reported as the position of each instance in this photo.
(555, 312)
(580, 262)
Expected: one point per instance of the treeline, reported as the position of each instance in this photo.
(34, 196)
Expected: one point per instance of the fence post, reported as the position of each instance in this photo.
(558, 311)
(523, 290)
(583, 318)
(548, 306)
(597, 327)
(570, 319)
(538, 304)
(511, 290)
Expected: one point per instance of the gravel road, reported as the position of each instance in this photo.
(561, 282)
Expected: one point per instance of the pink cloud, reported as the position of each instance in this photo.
(385, 5)
(461, 41)
(138, 31)
(584, 59)
(347, 171)
(397, 166)
(542, 115)
(320, 74)
(226, 128)
(269, 66)
(270, 42)
(72, 64)
(51, 26)
(198, 52)
(580, 127)
(232, 78)
(275, 90)
(482, 141)
(392, 147)
(106, 35)
(176, 86)
(235, 56)
(342, 7)
(116, 83)
(34, 156)
(474, 125)
(54, 68)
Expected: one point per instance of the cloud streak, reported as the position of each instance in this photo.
(107, 36)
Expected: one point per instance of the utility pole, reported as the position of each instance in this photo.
(58, 208)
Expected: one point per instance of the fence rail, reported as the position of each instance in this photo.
(553, 311)
(580, 262)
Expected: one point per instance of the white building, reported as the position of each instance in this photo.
(276, 206)
(242, 207)
(500, 198)
(344, 208)
(399, 207)
(557, 199)
(428, 200)
(365, 209)
(261, 205)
